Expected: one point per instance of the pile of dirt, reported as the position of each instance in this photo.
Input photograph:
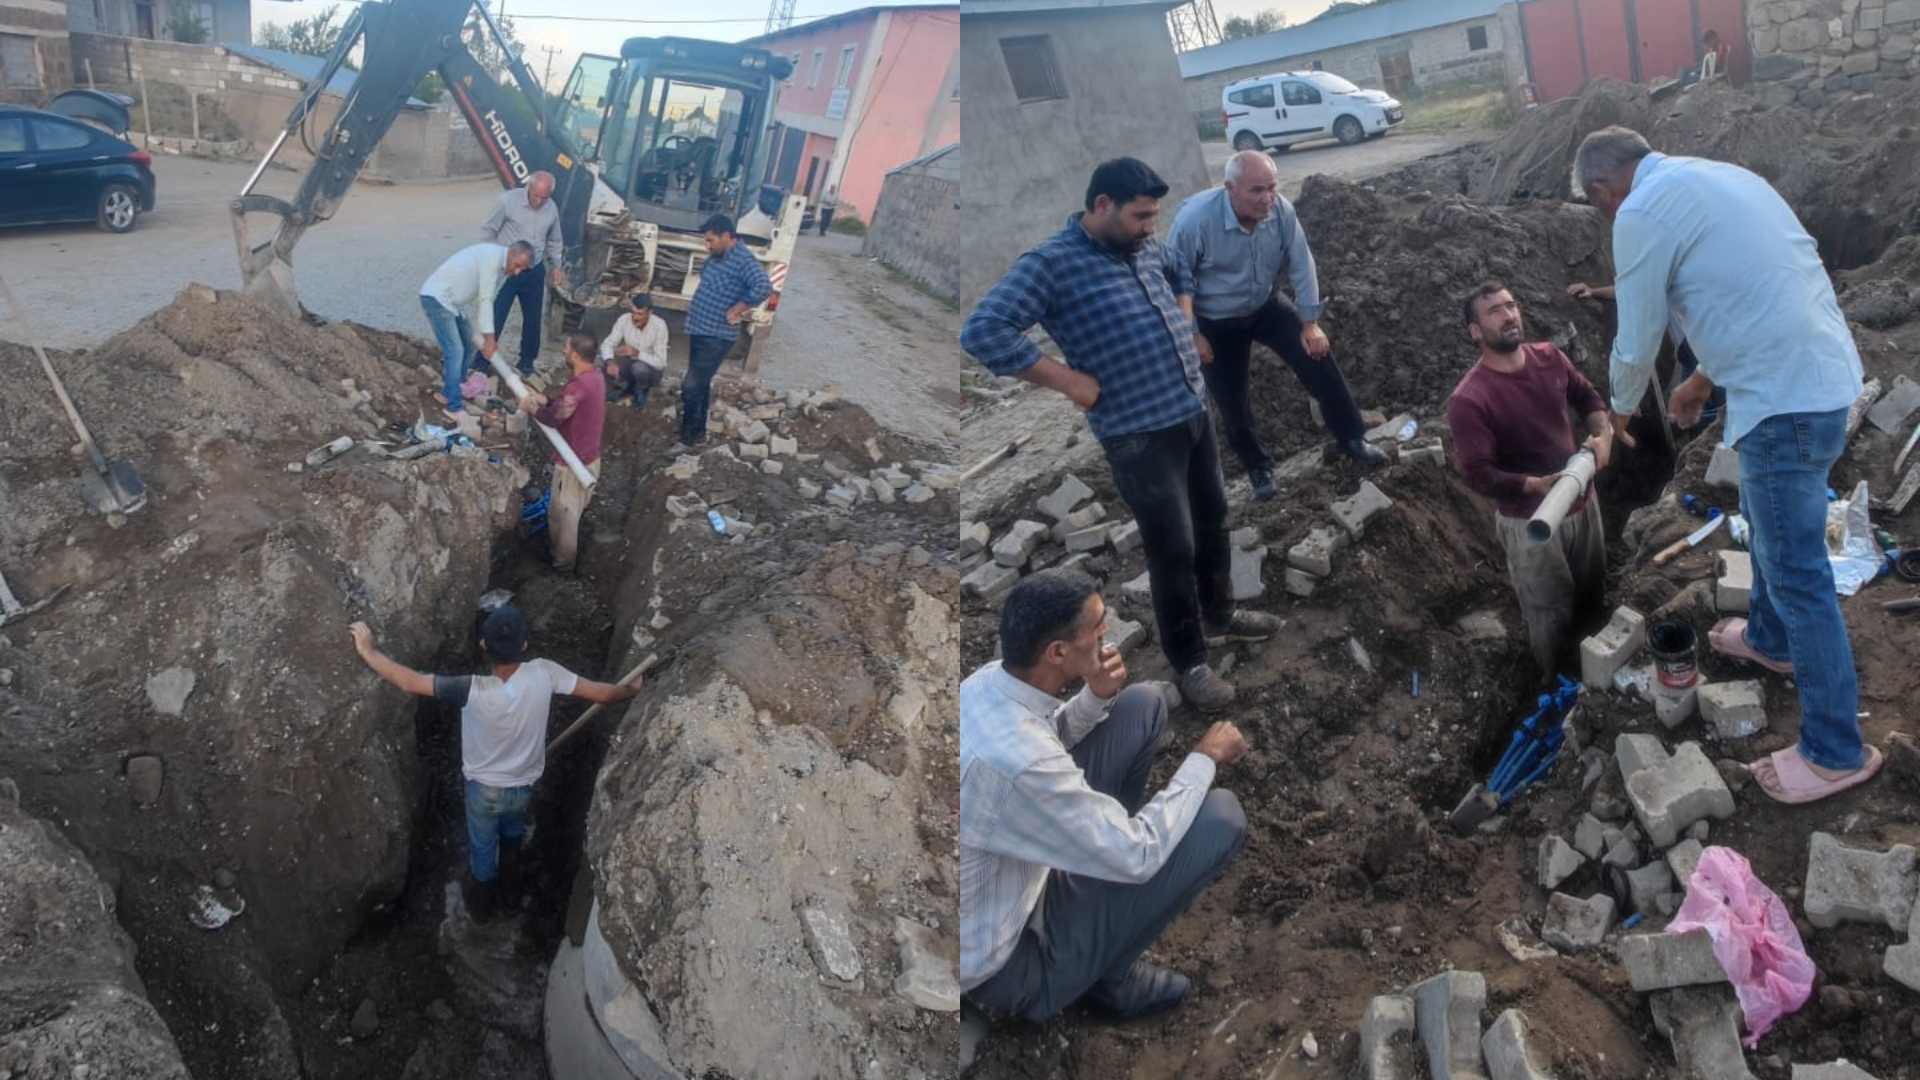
(188, 709)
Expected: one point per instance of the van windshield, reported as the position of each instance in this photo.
(1334, 83)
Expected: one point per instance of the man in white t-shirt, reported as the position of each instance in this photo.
(503, 734)
(634, 354)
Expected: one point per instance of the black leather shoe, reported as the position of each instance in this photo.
(1365, 453)
(1145, 989)
(1262, 480)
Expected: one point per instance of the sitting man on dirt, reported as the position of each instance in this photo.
(503, 736)
(578, 414)
(1068, 870)
(1116, 303)
(455, 297)
(1234, 242)
(1512, 436)
(1716, 248)
(634, 355)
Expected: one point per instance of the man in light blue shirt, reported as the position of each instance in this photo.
(1715, 248)
(1235, 242)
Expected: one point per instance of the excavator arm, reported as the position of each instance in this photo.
(403, 41)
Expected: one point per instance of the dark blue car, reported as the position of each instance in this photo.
(56, 169)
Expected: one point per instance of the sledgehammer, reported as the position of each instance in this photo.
(640, 669)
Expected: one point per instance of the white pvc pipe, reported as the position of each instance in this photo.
(1573, 480)
(512, 379)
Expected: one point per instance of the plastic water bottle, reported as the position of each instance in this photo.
(719, 523)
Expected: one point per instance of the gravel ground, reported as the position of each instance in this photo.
(844, 320)
(1371, 158)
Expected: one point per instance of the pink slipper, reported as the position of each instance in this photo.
(1729, 638)
(1795, 783)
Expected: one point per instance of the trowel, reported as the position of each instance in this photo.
(115, 486)
(12, 610)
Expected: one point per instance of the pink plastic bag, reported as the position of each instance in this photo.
(1753, 938)
(475, 387)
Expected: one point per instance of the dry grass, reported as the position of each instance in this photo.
(1478, 110)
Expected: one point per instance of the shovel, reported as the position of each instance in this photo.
(12, 610)
(125, 492)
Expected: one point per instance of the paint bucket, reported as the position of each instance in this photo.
(1672, 644)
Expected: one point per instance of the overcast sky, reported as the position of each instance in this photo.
(601, 25)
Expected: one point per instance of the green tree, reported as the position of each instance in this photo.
(482, 44)
(1264, 22)
(187, 28)
(313, 36)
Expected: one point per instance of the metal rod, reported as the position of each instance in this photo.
(512, 379)
(264, 162)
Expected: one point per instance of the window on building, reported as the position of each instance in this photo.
(1254, 97)
(1476, 38)
(144, 22)
(19, 64)
(846, 67)
(1318, 66)
(813, 77)
(55, 135)
(1030, 64)
(204, 11)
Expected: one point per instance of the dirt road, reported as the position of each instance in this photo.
(1371, 158)
(850, 323)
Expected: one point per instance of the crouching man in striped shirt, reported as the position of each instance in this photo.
(1068, 870)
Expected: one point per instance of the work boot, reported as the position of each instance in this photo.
(1262, 480)
(1204, 690)
(1146, 988)
(1365, 453)
(483, 899)
(1244, 626)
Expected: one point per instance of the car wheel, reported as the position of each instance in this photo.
(119, 208)
(1348, 130)
(1246, 140)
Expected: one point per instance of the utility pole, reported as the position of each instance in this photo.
(546, 77)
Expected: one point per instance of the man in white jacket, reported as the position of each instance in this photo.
(459, 294)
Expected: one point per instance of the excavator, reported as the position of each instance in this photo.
(643, 148)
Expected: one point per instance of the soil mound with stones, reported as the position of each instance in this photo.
(186, 709)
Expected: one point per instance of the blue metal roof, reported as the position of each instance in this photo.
(306, 69)
(1380, 20)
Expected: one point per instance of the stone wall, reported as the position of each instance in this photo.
(1806, 51)
(916, 224)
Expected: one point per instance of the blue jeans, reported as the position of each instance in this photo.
(495, 816)
(705, 354)
(1794, 613)
(529, 286)
(455, 337)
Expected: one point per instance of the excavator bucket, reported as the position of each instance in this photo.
(267, 271)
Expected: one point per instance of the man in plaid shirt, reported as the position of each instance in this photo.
(1120, 308)
(731, 284)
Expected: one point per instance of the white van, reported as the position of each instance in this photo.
(1272, 112)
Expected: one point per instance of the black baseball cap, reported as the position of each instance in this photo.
(504, 634)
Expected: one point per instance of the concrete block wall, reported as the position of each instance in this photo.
(916, 230)
(1806, 51)
(44, 21)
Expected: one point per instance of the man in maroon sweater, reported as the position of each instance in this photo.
(1512, 436)
(577, 414)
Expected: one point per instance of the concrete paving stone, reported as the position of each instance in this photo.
(755, 431)
(882, 493)
(988, 581)
(1557, 861)
(167, 691)
(1016, 545)
(1890, 413)
(1447, 1011)
(1125, 537)
(1245, 571)
(686, 505)
(1076, 562)
(1851, 885)
(894, 478)
(1425, 452)
(1636, 751)
(1510, 1051)
(1670, 797)
(861, 485)
(1389, 1047)
(810, 490)
(1647, 884)
(1623, 853)
(1125, 634)
(1703, 1025)
(772, 468)
(1587, 838)
(1086, 517)
(917, 494)
(1682, 858)
(1315, 552)
(783, 447)
(1833, 1070)
(1724, 469)
(1139, 590)
(1062, 500)
(1246, 537)
(1736, 710)
(1390, 430)
(829, 937)
(145, 775)
(1089, 539)
(1605, 652)
(843, 497)
(974, 536)
(1673, 706)
(1300, 583)
(1733, 581)
(926, 977)
(1664, 961)
(1298, 467)
(1573, 924)
(1353, 513)
(1902, 962)
(1482, 626)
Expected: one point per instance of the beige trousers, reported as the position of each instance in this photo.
(1556, 578)
(566, 503)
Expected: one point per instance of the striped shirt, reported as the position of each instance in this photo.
(726, 280)
(1115, 317)
(1026, 808)
(514, 218)
(1234, 269)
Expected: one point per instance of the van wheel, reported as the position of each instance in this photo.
(1348, 130)
(1246, 140)
(119, 207)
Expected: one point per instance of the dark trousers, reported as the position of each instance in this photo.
(1171, 481)
(1088, 929)
(631, 378)
(1277, 326)
(529, 286)
(826, 219)
(705, 354)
